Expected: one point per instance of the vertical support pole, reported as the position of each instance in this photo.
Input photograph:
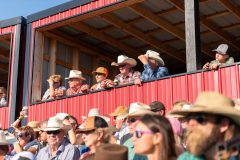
(192, 30)
(52, 62)
(75, 59)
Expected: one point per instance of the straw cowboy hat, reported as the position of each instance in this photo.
(122, 59)
(75, 74)
(111, 151)
(3, 140)
(119, 110)
(92, 123)
(35, 125)
(139, 109)
(222, 49)
(54, 124)
(102, 70)
(156, 56)
(212, 103)
(96, 112)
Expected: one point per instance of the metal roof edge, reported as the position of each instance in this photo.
(12, 21)
(56, 9)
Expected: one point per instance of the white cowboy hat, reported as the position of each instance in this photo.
(75, 74)
(3, 140)
(222, 49)
(212, 103)
(139, 109)
(96, 112)
(156, 56)
(54, 124)
(61, 116)
(122, 59)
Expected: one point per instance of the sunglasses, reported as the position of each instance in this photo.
(131, 120)
(139, 133)
(100, 74)
(21, 135)
(200, 118)
(54, 132)
(121, 66)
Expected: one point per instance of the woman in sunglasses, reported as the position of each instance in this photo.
(156, 133)
(26, 141)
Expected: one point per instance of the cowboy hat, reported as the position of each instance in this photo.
(122, 59)
(156, 56)
(54, 124)
(222, 49)
(35, 125)
(139, 109)
(212, 103)
(96, 112)
(119, 110)
(92, 123)
(111, 151)
(102, 70)
(75, 74)
(61, 116)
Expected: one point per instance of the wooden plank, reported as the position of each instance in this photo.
(38, 62)
(75, 59)
(192, 28)
(4, 67)
(52, 61)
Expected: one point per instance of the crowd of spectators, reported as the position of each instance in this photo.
(208, 129)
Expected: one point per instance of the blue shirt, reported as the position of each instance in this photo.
(66, 151)
(149, 74)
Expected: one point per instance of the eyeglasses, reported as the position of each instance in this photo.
(54, 132)
(131, 120)
(139, 133)
(200, 118)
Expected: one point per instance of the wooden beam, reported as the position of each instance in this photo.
(231, 7)
(210, 26)
(136, 33)
(75, 58)
(103, 37)
(4, 55)
(4, 77)
(165, 25)
(74, 42)
(53, 52)
(4, 67)
(90, 14)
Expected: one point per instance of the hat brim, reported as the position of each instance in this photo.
(82, 130)
(130, 61)
(65, 128)
(95, 72)
(82, 78)
(229, 112)
(140, 113)
(215, 50)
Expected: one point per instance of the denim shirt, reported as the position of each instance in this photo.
(149, 74)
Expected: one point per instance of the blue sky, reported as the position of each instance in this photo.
(14, 8)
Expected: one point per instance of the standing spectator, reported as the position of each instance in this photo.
(55, 89)
(95, 132)
(212, 119)
(155, 132)
(158, 107)
(127, 74)
(3, 93)
(101, 74)
(153, 66)
(58, 147)
(75, 82)
(221, 58)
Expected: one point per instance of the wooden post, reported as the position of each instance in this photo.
(52, 61)
(38, 62)
(192, 30)
(75, 59)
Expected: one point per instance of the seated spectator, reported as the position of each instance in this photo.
(3, 101)
(153, 66)
(101, 74)
(127, 74)
(158, 107)
(155, 132)
(75, 82)
(95, 132)
(58, 147)
(3, 145)
(221, 58)
(55, 89)
(211, 120)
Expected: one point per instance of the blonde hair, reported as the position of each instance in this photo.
(56, 78)
(106, 134)
(178, 105)
(3, 89)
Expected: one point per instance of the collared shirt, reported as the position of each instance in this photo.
(47, 93)
(149, 74)
(132, 75)
(66, 151)
(77, 90)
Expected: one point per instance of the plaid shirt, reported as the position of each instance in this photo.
(76, 90)
(102, 85)
(149, 74)
(132, 75)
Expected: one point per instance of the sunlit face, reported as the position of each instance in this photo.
(143, 135)
(74, 82)
(221, 57)
(124, 68)
(55, 138)
(131, 123)
(100, 77)
(91, 138)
